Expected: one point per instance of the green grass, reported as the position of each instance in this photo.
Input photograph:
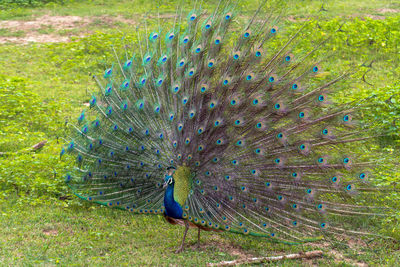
(131, 8)
(76, 234)
(50, 84)
(46, 29)
(8, 33)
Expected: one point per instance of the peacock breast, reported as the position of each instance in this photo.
(182, 184)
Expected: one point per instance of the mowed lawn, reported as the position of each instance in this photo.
(43, 85)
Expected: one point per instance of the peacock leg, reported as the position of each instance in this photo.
(180, 249)
(198, 239)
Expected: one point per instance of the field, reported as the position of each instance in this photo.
(48, 49)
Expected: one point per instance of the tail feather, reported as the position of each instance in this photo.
(258, 122)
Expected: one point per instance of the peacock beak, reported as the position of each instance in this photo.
(165, 184)
(167, 181)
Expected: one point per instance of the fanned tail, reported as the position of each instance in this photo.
(272, 150)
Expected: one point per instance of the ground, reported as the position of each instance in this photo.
(58, 25)
(68, 232)
(85, 235)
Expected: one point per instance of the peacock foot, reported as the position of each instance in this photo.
(179, 250)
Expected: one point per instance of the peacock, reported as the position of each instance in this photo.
(226, 126)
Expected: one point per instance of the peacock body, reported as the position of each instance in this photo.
(210, 126)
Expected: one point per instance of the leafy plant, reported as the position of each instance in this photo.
(8, 4)
(27, 120)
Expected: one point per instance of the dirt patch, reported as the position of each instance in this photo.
(56, 22)
(292, 18)
(231, 249)
(376, 17)
(388, 10)
(337, 255)
(363, 16)
(46, 29)
(218, 243)
(50, 232)
(34, 29)
(108, 20)
(34, 38)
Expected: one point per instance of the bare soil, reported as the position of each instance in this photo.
(31, 28)
(53, 24)
(388, 10)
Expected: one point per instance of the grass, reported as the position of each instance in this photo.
(81, 234)
(130, 9)
(39, 229)
(8, 33)
(46, 29)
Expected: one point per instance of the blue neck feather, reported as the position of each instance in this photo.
(172, 208)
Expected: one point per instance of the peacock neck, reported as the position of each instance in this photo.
(177, 192)
(172, 208)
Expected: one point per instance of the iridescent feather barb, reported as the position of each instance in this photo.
(243, 128)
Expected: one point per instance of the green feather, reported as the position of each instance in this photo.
(183, 181)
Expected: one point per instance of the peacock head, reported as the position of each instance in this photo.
(168, 179)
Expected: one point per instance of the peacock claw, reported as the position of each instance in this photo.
(179, 250)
